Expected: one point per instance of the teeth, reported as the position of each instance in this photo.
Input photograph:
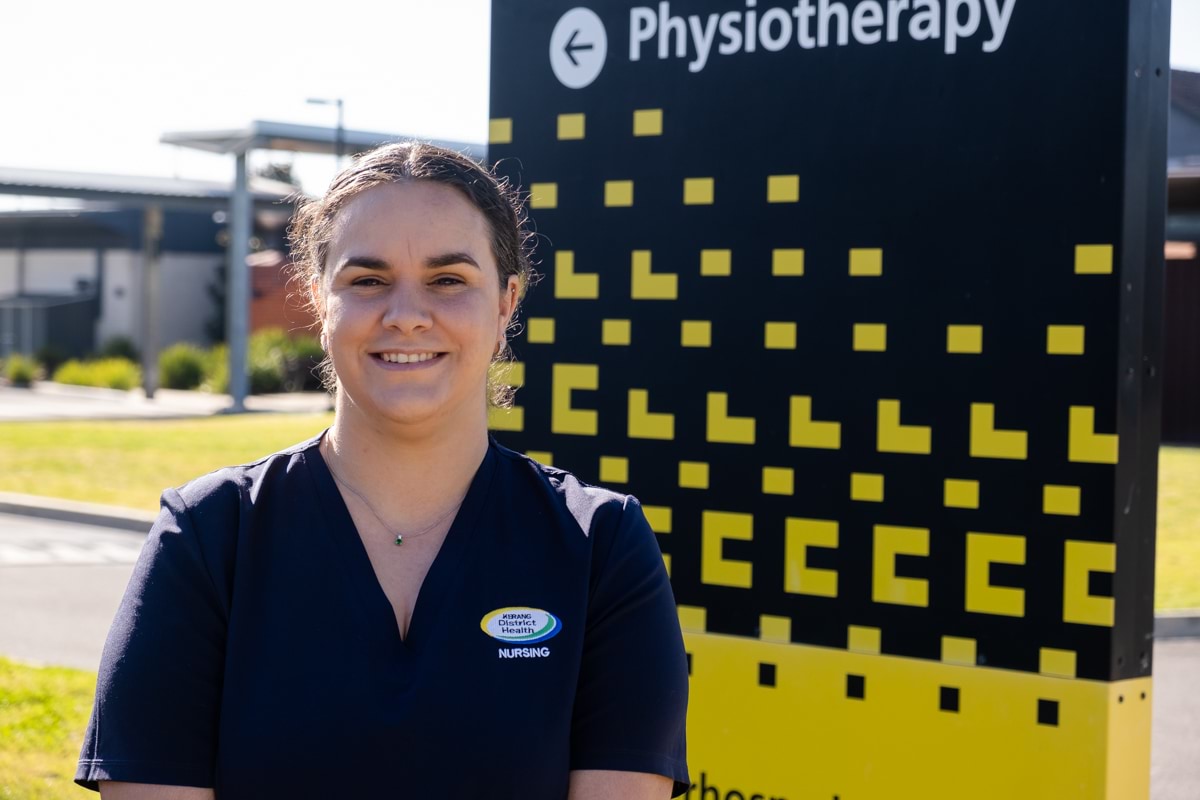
(401, 358)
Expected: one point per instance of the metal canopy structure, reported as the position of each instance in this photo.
(287, 136)
(138, 190)
(266, 135)
(153, 195)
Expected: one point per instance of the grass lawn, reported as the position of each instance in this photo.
(43, 715)
(1177, 579)
(128, 463)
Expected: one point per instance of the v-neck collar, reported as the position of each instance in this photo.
(444, 573)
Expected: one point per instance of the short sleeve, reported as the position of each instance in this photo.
(631, 704)
(158, 691)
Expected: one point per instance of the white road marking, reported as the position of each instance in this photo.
(68, 553)
(28, 541)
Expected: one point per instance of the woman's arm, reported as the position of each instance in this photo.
(603, 784)
(119, 790)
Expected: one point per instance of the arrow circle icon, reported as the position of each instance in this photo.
(578, 47)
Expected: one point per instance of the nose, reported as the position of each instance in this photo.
(407, 309)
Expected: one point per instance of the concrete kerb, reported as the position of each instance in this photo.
(1179, 624)
(1182, 624)
(115, 517)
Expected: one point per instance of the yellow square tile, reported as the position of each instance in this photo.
(866, 262)
(692, 619)
(716, 262)
(693, 474)
(861, 639)
(787, 262)
(615, 332)
(500, 130)
(697, 191)
(961, 494)
(1093, 259)
(870, 337)
(866, 486)
(1061, 500)
(783, 188)
(659, 518)
(614, 469)
(648, 122)
(618, 194)
(780, 336)
(964, 338)
(778, 480)
(1064, 340)
(774, 629)
(1059, 663)
(541, 330)
(541, 456)
(956, 650)
(543, 195)
(570, 126)
(695, 333)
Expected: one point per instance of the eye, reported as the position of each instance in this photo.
(448, 280)
(368, 280)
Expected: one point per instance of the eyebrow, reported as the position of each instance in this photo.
(433, 262)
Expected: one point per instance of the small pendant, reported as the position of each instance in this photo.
(399, 539)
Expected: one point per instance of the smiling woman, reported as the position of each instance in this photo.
(398, 605)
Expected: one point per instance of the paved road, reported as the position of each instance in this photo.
(60, 584)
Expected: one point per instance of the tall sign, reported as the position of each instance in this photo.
(861, 299)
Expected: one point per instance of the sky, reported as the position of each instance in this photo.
(91, 86)
(100, 82)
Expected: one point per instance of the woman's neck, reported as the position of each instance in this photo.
(407, 474)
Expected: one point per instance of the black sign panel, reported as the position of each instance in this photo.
(853, 296)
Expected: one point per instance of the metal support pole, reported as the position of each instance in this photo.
(341, 132)
(152, 223)
(237, 312)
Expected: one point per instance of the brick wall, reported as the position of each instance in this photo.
(275, 300)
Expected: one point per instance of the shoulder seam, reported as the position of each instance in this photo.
(187, 512)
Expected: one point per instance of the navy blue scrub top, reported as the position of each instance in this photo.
(255, 651)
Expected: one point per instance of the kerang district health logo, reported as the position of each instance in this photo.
(523, 626)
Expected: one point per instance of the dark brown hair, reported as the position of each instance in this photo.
(312, 226)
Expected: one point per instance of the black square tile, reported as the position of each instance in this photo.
(766, 674)
(1048, 712)
(949, 698)
(856, 687)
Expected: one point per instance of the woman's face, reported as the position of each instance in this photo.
(411, 303)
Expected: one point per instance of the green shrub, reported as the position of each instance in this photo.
(181, 366)
(308, 356)
(110, 373)
(266, 359)
(20, 370)
(120, 347)
(265, 377)
(216, 370)
(50, 356)
(275, 362)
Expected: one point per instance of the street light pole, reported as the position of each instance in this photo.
(340, 136)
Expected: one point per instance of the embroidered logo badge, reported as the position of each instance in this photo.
(519, 625)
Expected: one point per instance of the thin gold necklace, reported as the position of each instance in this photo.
(399, 536)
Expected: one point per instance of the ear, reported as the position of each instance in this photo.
(508, 302)
(318, 298)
